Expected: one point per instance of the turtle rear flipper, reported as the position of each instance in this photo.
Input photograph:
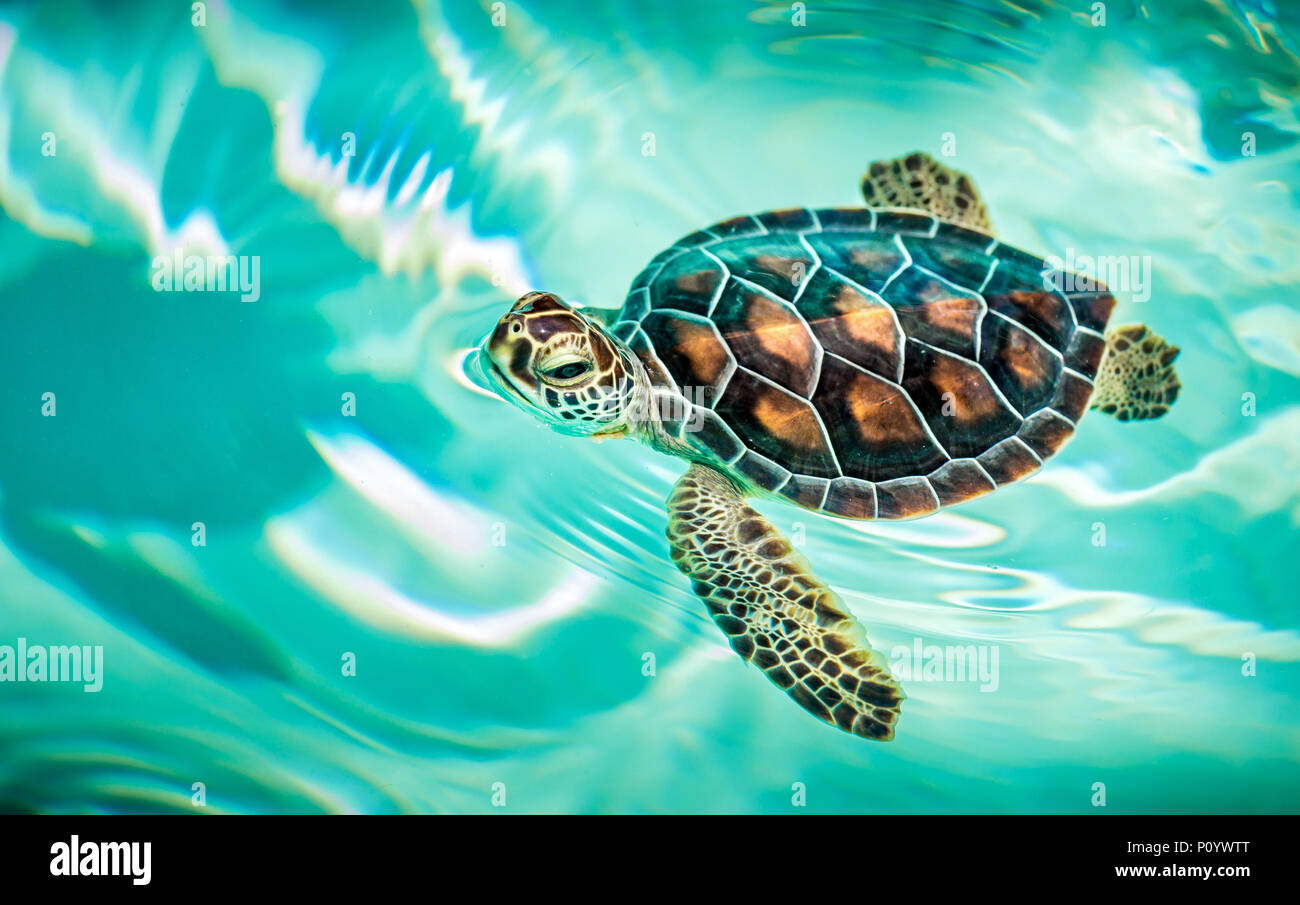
(919, 181)
(774, 611)
(1137, 379)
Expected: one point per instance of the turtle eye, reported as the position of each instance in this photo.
(567, 372)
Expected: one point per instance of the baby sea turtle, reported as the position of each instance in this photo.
(870, 363)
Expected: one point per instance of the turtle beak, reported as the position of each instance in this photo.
(503, 385)
(495, 349)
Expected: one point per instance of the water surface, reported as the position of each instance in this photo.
(402, 172)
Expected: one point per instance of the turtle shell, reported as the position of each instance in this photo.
(867, 363)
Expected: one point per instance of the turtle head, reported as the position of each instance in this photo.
(562, 367)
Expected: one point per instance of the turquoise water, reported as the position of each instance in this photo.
(499, 587)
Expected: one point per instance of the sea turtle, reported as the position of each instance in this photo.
(878, 362)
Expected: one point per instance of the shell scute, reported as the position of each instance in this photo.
(1024, 368)
(708, 428)
(1085, 352)
(744, 225)
(625, 329)
(1045, 432)
(906, 223)
(776, 423)
(854, 324)
(1071, 396)
(951, 258)
(963, 236)
(692, 350)
(768, 337)
(1092, 309)
(637, 304)
(807, 491)
(859, 219)
(960, 480)
(851, 498)
(779, 263)
(1021, 263)
(1009, 461)
(1025, 289)
(794, 219)
(688, 282)
(935, 311)
(761, 470)
(699, 237)
(961, 406)
(905, 498)
(875, 429)
(870, 260)
(1047, 314)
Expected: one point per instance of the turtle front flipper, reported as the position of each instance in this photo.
(1136, 379)
(920, 182)
(774, 611)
